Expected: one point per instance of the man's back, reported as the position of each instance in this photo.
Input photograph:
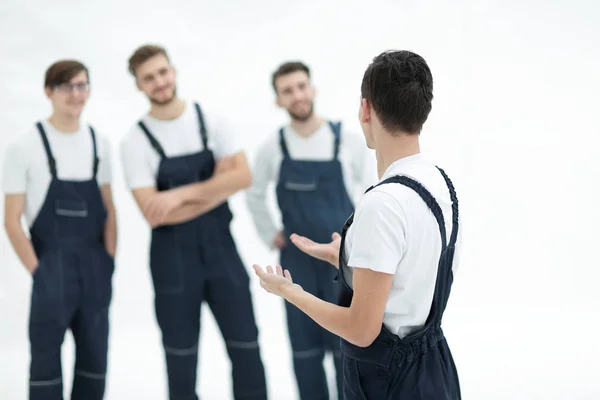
(409, 241)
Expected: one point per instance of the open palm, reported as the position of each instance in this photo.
(323, 251)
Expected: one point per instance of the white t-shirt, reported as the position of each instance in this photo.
(395, 232)
(359, 168)
(26, 169)
(177, 137)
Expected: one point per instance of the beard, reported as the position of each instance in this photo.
(164, 102)
(302, 117)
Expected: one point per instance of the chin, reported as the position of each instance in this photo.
(75, 113)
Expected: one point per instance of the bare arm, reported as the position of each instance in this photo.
(183, 213)
(110, 228)
(170, 206)
(220, 186)
(359, 324)
(14, 205)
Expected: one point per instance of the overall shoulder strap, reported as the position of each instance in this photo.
(427, 198)
(51, 160)
(282, 144)
(152, 140)
(336, 128)
(96, 159)
(432, 203)
(454, 233)
(203, 134)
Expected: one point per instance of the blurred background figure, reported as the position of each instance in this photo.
(317, 166)
(170, 163)
(58, 175)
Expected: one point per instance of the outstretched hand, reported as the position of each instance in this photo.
(276, 282)
(323, 251)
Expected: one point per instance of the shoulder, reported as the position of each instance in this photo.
(380, 204)
(213, 118)
(101, 139)
(352, 138)
(271, 144)
(133, 138)
(25, 141)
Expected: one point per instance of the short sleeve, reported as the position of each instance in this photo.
(14, 171)
(105, 167)
(137, 168)
(378, 234)
(226, 141)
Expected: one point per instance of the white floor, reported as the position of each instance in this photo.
(495, 360)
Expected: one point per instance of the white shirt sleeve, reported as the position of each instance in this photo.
(14, 172)
(137, 168)
(378, 233)
(256, 194)
(224, 137)
(105, 156)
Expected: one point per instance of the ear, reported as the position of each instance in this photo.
(137, 84)
(278, 102)
(365, 111)
(48, 92)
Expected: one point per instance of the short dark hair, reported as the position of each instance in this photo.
(63, 71)
(288, 68)
(399, 86)
(143, 54)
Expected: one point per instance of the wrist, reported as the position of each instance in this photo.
(291, 292)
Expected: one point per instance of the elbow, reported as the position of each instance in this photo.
(9, 225)
(246, 180)
(365, 336)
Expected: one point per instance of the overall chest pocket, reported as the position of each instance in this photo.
(301, 186)
(70, 208)
(300, 180)
(71, 217)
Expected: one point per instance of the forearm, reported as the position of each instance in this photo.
(216, 188)
(262, 218)
(21, 245)
(110, 234)
(336, 319)
(190, 211)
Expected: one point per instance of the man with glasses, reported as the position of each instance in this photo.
(58, 175)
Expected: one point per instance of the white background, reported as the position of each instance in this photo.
(516, 87)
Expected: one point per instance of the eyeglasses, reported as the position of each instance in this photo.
(68, 87)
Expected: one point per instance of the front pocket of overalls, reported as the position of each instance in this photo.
(222, 258)
(166, 261)
(103, 266)
(70, 213)
(47, 290)
(366, 380)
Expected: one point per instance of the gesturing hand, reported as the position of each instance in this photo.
(323, 251)
(277, 282)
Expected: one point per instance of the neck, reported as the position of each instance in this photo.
(309, 127)
(64, 123)
(169, 111)
(394, 148)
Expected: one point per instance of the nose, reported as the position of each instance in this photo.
(298, 95)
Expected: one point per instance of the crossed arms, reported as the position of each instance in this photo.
(190, 201)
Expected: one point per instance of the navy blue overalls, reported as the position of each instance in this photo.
(314, 203)
(72, 286)
(195, 261)
(419, 366)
